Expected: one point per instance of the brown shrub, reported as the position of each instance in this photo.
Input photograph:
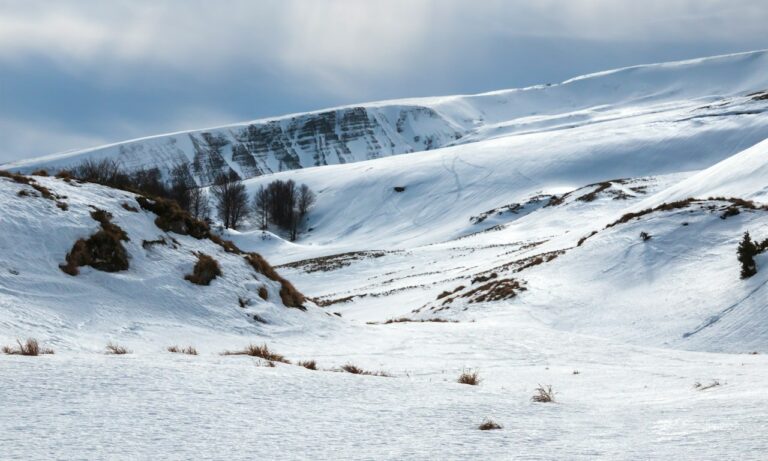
(30, 348)
(543, 394)
(263, 293)
(471, 377)
(116, 349)
(172, 218)
(40, 173)
(259, 351)
(62, 205)
(189, 350)
(489, 425)
(103, 250)
(290, 296)
(308, 364)
(206, 269)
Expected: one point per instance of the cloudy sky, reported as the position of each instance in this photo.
(76, 74)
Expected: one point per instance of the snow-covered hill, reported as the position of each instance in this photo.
(692, 91)
(150, 298)
(581, 235)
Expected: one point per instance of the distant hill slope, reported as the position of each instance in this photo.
(369, 131)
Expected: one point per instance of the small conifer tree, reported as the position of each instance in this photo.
(746, 256)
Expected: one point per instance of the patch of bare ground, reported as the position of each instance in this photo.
(333, 262)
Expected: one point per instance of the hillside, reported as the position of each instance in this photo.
(696, 91)
(581, 236)
(148, 299)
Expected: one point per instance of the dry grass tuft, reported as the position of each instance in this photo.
(543, 394)
(308, 364)
(489, 425)
(206, 269)
(471, 377)
(116, 349)
(355, 370)
(189, 350)
(30, 348)
(259, 351)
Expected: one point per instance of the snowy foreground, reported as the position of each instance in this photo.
(655, 347)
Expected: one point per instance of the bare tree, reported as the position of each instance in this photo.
(230, 198)
(181, 186)
(261, 206)
(305, 201)
(199, 206)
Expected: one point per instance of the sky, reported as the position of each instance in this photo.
(82, 73)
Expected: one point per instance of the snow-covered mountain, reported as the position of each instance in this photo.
(581, 235)
(375, 130)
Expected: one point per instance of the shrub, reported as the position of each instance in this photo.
(471, 377)
(206, 269)
(261, 352)
(103, 250)
(308, 364)
(645, 236)
(116, 349)
(489, 425)
(189, 350)
(263, 293)
(30, 348)
(543, 394)
(172, 218)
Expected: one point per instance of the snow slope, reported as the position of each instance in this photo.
(150, 299)
(647, 342)
(363, 132)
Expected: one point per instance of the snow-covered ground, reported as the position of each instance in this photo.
(648, 343)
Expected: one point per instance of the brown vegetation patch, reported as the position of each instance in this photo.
(290, 296)
(189, 350)
(21, 179)
(355, 370)
(469, 377)
(332, 262)
(489, 425)
(308, 364)
(129, 207)
(495, 290)
(31, 347)
(206, 269)
(172, 218)
(544, 394)
(103, 250)
(259, 351)
(116, 349)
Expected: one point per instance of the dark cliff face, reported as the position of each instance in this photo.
(315, 139)
(324, 138)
